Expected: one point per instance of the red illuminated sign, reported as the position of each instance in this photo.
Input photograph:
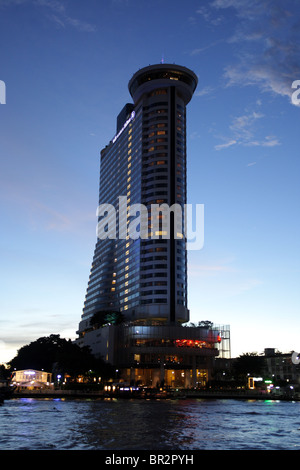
(194, 343)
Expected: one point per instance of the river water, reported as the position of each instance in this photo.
(120, 424)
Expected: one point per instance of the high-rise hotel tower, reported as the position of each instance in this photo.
(136, 299)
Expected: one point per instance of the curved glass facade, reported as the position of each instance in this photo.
(114, 277)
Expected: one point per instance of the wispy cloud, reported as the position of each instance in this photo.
(42, 212)
(227, 144)
(56, 12)
(79, 24)
(209, 16)
(205, 48)
(196, 270)
(223, 277)
(242, 125)
(268, 35)
(269, 141)
(243, 130)
(207, 90)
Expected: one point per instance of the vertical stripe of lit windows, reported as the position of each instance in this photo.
(128, 194)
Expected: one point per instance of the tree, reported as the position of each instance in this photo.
(52, 351)
(205, 323)
(4, 372)
(40, 354)
(248, 363)
(102, 318)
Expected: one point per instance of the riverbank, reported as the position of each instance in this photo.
(153, 394)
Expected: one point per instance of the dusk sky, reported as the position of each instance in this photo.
(66, 66)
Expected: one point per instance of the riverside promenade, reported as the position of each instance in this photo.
(153, 394)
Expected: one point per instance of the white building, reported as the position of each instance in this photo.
(32, 379)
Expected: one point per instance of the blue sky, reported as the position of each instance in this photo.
(66, 66)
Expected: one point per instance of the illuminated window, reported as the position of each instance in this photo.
(159, 92)
(161, 232)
